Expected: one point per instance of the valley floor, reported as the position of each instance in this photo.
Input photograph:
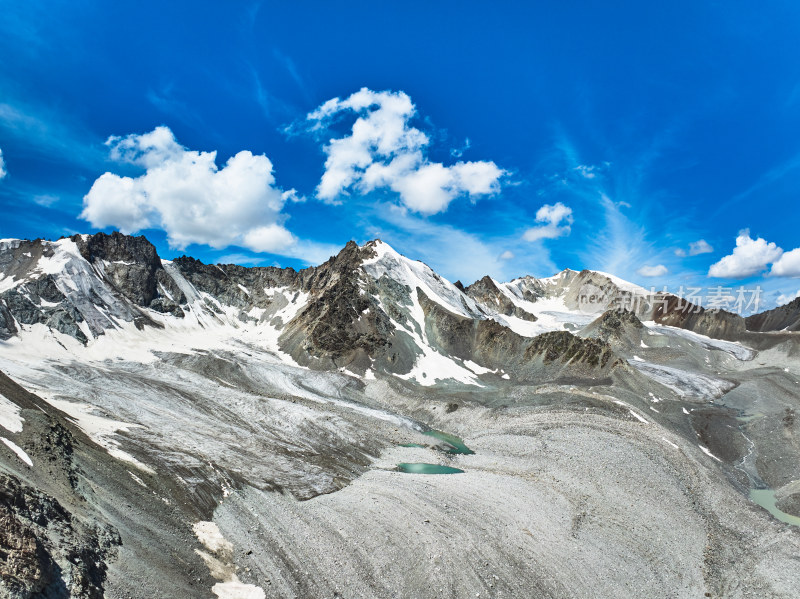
(230, 473)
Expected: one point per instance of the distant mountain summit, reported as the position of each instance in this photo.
(368, 308)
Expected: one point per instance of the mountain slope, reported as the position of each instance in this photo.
(782, 318)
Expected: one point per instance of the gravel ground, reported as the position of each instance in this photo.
(551, 505)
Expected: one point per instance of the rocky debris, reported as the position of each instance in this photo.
(617, 327)
(782, 318)
(44, 550)
(789, 502)
(564, 347)
(486, 293)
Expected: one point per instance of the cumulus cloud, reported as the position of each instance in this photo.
(653, 271)
(3, 171)
(556, 222)
(788, 265)
(507, 255)
(383, 151)
(184, 193)
(749, 258)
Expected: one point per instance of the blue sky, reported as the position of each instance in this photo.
(657, 142)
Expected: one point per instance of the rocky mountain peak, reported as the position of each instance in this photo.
(117, 247)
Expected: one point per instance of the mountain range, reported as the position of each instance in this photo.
(180, 429)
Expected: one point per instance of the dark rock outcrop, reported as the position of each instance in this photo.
(564, 347)
(343, 324)
(130, 263)
(44, 550)
(617, 327)
(782, 318)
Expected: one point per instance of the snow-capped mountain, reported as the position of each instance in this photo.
(366, 309)
(179, 429)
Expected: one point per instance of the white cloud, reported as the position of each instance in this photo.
(557, 220)
(507, 255)
(749, 258)
(788, 265)
(653, 271)
(382, 150)
(3, 171)
(784, 299)
(186, 194)
(701, 246)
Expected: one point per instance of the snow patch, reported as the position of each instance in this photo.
(209, 535)
(9, 416)
(737, 350)
(477, 368)
(706, 451)
(234, 589)
(221, 568)
(100, 429)
(635, 414)
(683, 382)
(17, 450)
(670, 442)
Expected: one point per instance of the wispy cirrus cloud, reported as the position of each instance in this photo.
(696, 248)
(653, 271)
(46, 132)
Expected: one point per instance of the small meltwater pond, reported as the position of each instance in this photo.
(766, 499)
(456, 447)
(420, 468)
(457, 444)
